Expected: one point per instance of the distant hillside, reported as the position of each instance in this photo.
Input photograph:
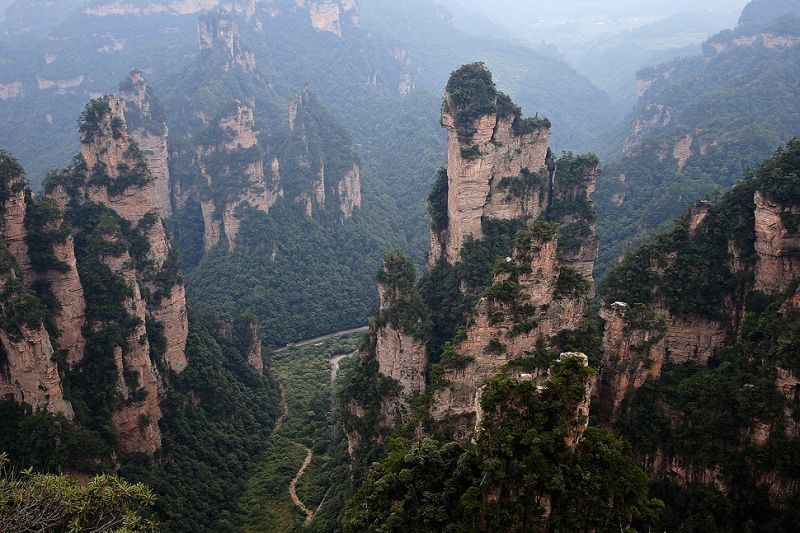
(699, 123)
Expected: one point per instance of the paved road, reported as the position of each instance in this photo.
(323, 338)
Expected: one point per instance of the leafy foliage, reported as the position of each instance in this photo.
(519, 461)
(45, 502)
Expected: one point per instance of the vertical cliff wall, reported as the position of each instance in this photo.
(147, 122)
(232, 165)
(496, 161)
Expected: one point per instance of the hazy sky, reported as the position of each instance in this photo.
(560, 20)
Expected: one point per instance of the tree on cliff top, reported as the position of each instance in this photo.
(44, 502)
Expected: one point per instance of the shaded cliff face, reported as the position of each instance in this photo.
(711, 302)
(395, 354)
(534, 297)
(28, 372)
(147, 122)
(97, 253)
(492, 152)
(232, 165)
(318, 164)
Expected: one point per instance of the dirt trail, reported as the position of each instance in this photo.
(293, 486)
(282, 418)
(309, 454)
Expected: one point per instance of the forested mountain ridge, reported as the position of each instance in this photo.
(484, 350)
(700, 354)
(699, 123)
(104, 368)
(695, 357)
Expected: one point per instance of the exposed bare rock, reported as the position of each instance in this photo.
(350, 192)
(476, 172)
(403, 358)
(137, 419)
(777, 246)
(312, 179)
(683, 473)
(503, 330)
(12, 216)
(682, 151)
(10, 90)
(212, 227)
(630, 356)
(580, 421)
(171, 313)
(146, 120)
(61, 86)
(64, 287)
(699, 213)
(638, 341)
(29, 373)
(325, 16)
(772, 40)
(259, 191)
(222, 33)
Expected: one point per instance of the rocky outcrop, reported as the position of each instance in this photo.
(61, 86)
(234, 155)
(310, 175)
(349, 189)
(400, 347)
(138, 384)
(530, 300)
(220, 32)
(28, 373)
(14, 208)
(483, 168)
(777, 244)
(147, 123)
(682, 151)
(10, 90)
(325, 16)
(62, 280)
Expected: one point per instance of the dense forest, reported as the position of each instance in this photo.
(556, 340)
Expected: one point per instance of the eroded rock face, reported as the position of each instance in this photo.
(475, 178)
(502, 330)
(401, 355)
(311, 178)
(150, 132)
(402, 358)
(29, 373)
(777, 246)
(10, 90)
(137, 419)
(259, 190)
(14, 209)
(638, 341)
(325, 16)
(350, 192)
(65, 289)
(222, 33)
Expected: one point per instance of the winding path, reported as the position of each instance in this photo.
(285, 408)
(293, 487)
